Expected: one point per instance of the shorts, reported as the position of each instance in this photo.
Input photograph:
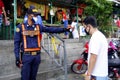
(99, 78)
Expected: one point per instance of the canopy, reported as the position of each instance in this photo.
(60, 3)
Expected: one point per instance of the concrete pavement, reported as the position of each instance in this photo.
(57, 74)
(71, 76)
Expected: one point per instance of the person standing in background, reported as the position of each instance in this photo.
(98, 51)
(74, 30)
(65, 20)
(118, 25)
(2, 11)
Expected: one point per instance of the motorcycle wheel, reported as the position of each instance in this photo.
(79, 68)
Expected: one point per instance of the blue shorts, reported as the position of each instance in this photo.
(99, 78)
(65, 26)
(1, 20)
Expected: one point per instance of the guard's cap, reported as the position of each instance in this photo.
(33, 11)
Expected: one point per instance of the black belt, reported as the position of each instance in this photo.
(32, 53)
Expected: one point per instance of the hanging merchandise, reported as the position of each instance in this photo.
(80, 9)
(52, 12)
(40, 7)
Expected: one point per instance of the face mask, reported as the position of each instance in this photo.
(35, 19)
(87, 32)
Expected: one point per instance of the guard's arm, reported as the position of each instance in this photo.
(54, 29)
(17, 41)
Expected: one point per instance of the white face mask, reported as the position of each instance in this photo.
(35, 19)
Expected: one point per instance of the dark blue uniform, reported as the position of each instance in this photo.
(30, 62)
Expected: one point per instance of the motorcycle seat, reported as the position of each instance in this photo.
(114, 63)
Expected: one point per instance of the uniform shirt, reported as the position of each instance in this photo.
(31, 41)
(1, 5)
(98, 45)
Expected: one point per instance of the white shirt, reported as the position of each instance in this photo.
(82, 31)
(75, 31)
(98, 45)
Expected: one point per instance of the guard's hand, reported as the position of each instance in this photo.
(69, 28)
(18, 63)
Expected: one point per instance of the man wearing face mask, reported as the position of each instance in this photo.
(37, 18)
(27, 40)
(97, 53)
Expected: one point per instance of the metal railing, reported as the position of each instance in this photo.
(60, 58)
(6, 32)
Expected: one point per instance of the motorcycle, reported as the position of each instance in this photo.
(79, 66)
(117, 44)
(113, 50)
(113, 60)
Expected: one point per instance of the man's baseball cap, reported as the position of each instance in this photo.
(33, 11)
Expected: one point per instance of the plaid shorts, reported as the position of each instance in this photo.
(1, 20)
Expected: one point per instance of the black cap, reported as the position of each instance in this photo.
(33, 11)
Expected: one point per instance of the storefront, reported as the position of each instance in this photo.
(44, 7)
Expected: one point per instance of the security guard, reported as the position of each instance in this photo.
(27, 40)
(38, 18)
